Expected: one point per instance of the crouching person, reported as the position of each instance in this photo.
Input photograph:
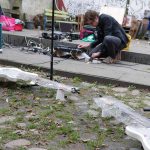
(111, 37)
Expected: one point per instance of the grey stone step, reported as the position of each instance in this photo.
(122, 73)
(139, 51)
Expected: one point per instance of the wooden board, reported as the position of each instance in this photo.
(135, 26)
(56, 15)
(56, 12)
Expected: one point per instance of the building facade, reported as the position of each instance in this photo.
(34, 7)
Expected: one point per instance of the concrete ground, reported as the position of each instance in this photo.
(122, 72)
(25, 32)
(138, 52)
(131, 71)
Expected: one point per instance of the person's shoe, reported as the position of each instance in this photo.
(108, 60)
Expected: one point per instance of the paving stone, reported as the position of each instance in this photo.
(77, 146)
(31, 116)
(85, 84)
(21, 125)
(120, 94)
(20, 132)
(17, 143)
(114, 122)
(83, 106)
(120, 89)
(85, 137)
(134, 104)
(135, 92)
(63, 78)
(2, 126)
(74, 98)
(148, 94)
(94, 106)
(58, 121)
(132, 143)
(134, 149)
(21, 110)
(125, 74)
(72, 122)
(147, 102)
(37, 149)
(6, 118)
(34, 131)
(113, 147)
(95, 89)
(124, 145)
(147, 97)
(103, 128)
(43, 99)
(102, 87)
(76, 129)
(129, 138)
(93, 113)
(135, 100)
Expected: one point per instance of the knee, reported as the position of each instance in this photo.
(108, 39)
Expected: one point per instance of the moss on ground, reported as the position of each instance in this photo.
(54, 124)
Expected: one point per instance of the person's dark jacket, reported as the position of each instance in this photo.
(109, 26)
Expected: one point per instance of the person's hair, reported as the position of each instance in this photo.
(90, 15)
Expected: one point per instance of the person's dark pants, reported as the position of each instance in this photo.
(111, 46)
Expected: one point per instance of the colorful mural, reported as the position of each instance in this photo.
(136, 7)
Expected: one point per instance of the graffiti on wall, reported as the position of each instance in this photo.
(136, 7)
(60, 5)
(79, 7)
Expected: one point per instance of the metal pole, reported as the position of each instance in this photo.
(127, 7)
(1, 38)
(52, 41)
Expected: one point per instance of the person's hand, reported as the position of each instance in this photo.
(96, 55)
(83, 45)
